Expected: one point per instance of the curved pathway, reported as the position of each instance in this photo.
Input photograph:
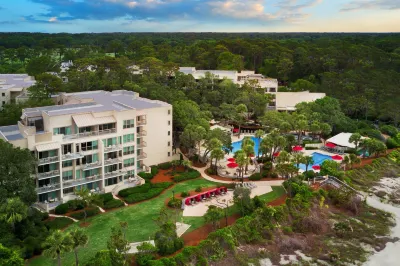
(60, 216)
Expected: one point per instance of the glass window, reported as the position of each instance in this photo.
(67, 175)
(67, 163)
(129, 162)
(169, 133)
(129, 150)
(68, 190)
(129, 123)
(62, 130)
(129, 138)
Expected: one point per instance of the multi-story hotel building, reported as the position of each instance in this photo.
(13, 85)
(98, 140)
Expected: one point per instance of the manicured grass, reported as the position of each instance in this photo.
(277, 192)
(140, 224)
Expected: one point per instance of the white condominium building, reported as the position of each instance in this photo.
(99, 140)
(12, 85)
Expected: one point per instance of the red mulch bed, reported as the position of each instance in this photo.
(279, 201)
(162, 175)
(193, 238)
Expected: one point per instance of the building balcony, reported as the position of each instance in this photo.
(115, 173)
(77, 182)
(142, 156)
(48, 174)
(72, 156)
(141, 122)
(48, 188)
(142, 144)
(142, 133)
(93, 165)
(48, 206)
(129, 152)
(112, 161)
(48, 160)
(112, 148)
(90, 134)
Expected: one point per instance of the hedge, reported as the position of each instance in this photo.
(192, 174)
(143, 192)
(154, 170)
(144, 196)
(89, 212)
(106, 197)
(62, 208)
(76, 204)
(58, 223)
(165, 166)
(113, 203)
(255, 177)
(175, 203)
(139, 189)
(145, 175)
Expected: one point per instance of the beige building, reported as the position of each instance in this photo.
(287, 101)
(98, 140)
(12, 85)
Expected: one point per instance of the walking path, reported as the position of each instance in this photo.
(115, 197)
(59, 216)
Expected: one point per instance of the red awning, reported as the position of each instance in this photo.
(232, 165)
(198, 197)
(316, 167)
(330, 145)
(297, 148)
(276, 154)
(231, 160)
(235, 130)
(337, 157)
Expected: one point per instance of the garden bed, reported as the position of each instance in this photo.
(57, 223)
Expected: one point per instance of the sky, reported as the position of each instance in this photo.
(75, 16)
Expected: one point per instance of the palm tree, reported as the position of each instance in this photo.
(217, 154)
(13, 211)
(186, 164)
(308, 160)
(259, 134)
(79, 239)
(355, 138)
(175, 163)
(88, 198)
(242, 160)
(248, 148)
(298, 158)
(56, 244)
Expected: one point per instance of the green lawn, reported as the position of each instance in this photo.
(276, 193)
(140, 222)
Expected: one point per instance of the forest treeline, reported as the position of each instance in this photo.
(361, 70)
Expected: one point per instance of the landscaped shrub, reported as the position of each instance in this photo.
(185, 194)
(58, 223)
(113, 203)
(106, 197)
(273, 175)
(62, 208)
(192, 174)
(392, 143)
(145, 175)
(198, 189)
(143, 192)
(175, 203)
(165, 166)
(267, 166)
(144, 196)
(255, 177)
(76, 204)
(372, 133)
(211, 171)
(89, 212)
(154, 170)
(389, 130)
(139, 189)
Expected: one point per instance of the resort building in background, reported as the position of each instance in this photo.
(99, 140)
(287, 101)
(13, 85)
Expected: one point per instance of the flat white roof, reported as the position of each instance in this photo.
(342, 139)
(289, 100)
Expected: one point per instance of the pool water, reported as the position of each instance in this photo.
(318, 160)
(238, 145)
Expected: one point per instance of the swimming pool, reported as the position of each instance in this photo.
(238, 145)
(318, 158)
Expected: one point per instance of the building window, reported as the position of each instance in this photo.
(129, 138)
(129, 150)
(106, 127)
(169, 143)
(129, 162)
(3, 94)
(68, 190)
(67, 163)
(129, 123)
(169, 133)
(67, 175)
(169, 122)
(62, 130)
(169, 112)
(89, 146)
(169, 154)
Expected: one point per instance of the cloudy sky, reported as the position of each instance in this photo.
(200, 15)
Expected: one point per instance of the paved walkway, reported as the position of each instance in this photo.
(59, 216)
(115, 197)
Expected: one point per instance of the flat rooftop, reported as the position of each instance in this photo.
(10, 133)
(8, 81)
(97, 101)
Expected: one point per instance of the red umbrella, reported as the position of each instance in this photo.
(232, 160)
(316, 167)
(235, 130)
(337, 157)
(251, 155)
(276, 154)
(330, 145)
(297, 148)
(232, 165)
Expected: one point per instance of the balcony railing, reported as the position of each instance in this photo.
(112, 161)
(115, 173)
(91, 165)
(141, 122)
(90, 134)
(142, 133)
(129, 152)
(72, 156)
(76, 182)
(48, 188)
(142, 156)
(48, 174)
(48, 160)
(142, 144)
(113, 148)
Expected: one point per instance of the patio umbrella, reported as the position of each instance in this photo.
(297, 148)
(330, 145)
(235, 130)
(316, 167)
(276, 154)
(232, 165)
(337, 157)
(232, 160)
